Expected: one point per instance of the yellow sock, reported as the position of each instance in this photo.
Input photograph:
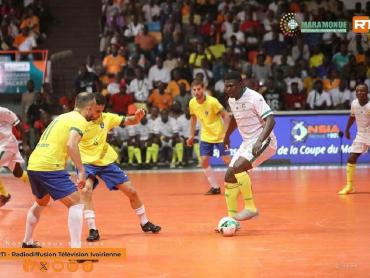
(197, 151)
(179, 147)
(351, 168)
(148, 155)
(3, 190)
(137, 153)
(246, 189)
(24, 177)
(173, 161)
(155, 151)
(231, 196)
(131, 150)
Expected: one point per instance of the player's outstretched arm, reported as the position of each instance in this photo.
(229, 127)
(135, 119)
(74, 154)
(350, 122)
(267, 129)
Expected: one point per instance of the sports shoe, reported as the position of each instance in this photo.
(4, 200)
(347, 189)
(245, 214)
(31, 245)
(93, 235)
(150, 227)
(213, 191)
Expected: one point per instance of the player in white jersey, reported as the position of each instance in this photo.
(255, 121)
(360, 112)
(9, 152)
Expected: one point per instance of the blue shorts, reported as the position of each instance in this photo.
(57, 184)
(206, 149)
(111, 174)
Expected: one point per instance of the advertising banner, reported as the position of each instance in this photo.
(307, 139)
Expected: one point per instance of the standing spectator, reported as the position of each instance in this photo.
(25, 42)
(146, 43)
(86, 81)
(27, 99)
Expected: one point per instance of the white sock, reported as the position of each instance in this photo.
(141, 213)
(89, 215)
(75, 221)
(211, 177)
(33, 216)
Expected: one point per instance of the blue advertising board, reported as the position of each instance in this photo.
(307, 139)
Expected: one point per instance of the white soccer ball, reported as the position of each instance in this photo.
(228, 226)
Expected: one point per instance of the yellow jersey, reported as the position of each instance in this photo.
(208, 114)
(94, 148)
(51, 153)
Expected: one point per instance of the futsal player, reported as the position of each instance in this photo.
(99, 159)
(255, 121)
(210, 114)
(9, 152)
(360, 112)
(46, 169)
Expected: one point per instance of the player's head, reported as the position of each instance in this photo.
(84, 104)
(99, 107)
(362, 93)
(197, 89)
(233, 84)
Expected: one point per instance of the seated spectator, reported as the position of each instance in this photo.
(151, 11)
(160, 97)
(114, 62)
(271, 95)
(310, 79)
(120, 102)
(133, 28)
(67, 101)
(292, 77)
(300, 51)
(158, 73)
(342, 57)
(184, 97)
(261, 71)
(331, 81)
(173, 86)
(28, 98)
(171, 61)
(317, 57)
(324, 69)
(25, 42)
(318, 99)
(195, 58)
(296, 100)
(146, 42)
(31, 22)
(140, 86)
(205, 71)
(86, 81)
(41, 124)
(341, 96)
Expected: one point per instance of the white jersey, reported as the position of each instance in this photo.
(120, 133)
(249, 112)
(362, 115)
(8, 119)
(143, 131)
(184, 126)
(131, 130)
(153, 124)
(169, 128)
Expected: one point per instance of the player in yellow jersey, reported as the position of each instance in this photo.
(99, 159)
(210, 114)
(46, 169)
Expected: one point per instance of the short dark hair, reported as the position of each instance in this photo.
(100, 99)
(83, 99)
(233, 75)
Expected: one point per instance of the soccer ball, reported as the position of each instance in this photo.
(228, 226)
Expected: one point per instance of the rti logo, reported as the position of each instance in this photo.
(301, 131)
(360, 24)
(289, 25)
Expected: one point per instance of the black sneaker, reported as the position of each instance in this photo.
(150, 227)
(31, 245)
(4, 200)
(213, 191)
(93, 235)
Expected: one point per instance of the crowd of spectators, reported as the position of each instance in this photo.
(151, 51)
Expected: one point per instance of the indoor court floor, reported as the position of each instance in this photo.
(304, 229)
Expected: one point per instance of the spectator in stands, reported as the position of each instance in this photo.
(31, 22)
(158, 73)
(120, 102)
(160, 97)
(296, 100)
(317, 57)
(310, 79)
(341, 96)
(146, 43)
(86, 81)
(292, 77)
(25, 42)
(67, 101)
(133, 28)
(324, 69)
(205, 71)
(114, 62)
(318, 99)
(90, 64)
(342, 57)
(261, 71)
(331, 81)
(300, 50)
(271, 95)
(173, 86)
(195, 58)
(41, 124)
(28, 98)
(184, 97)
(140, 86)
(151, 11)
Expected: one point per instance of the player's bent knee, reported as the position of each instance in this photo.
(229, 176)
(43, 202)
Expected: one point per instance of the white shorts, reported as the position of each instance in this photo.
(269, 147)
(9, 159)
(359, 147)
